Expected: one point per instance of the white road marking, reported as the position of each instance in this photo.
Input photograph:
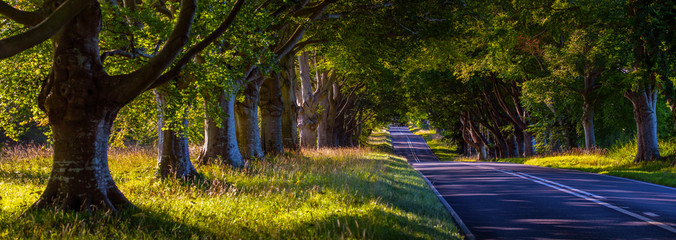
(650, 214)
(588, 197)
(410, 146)
(456, 217)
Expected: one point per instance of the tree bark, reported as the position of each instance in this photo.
(645, 102)
(308, 113)
(80, 119)
(220, 137)
(246, 113)
(588, 125)
(290, 138)
(326, 128)
(527, 144)
(518, 139)
(271, 108)
(173, 158)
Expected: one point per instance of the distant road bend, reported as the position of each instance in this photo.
(514, 201)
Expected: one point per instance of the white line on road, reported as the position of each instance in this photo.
(587, 196)
(410, 146)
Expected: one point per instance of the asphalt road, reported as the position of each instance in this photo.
(514, 201)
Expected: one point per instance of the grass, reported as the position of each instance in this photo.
(349, 193)
(441, 148)
(616, 161)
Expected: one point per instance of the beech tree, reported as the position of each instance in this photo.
(648, 27)
(81, 100)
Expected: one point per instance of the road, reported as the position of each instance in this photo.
(514, 201)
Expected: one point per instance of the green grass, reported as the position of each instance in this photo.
(345, 193)
(441, 148)
(617, 161)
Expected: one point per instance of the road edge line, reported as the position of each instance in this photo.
(465, 230)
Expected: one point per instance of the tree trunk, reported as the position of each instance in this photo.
(271, 108)
(588, 125)
(308, 119)
(290, 112)
(527, 144)
(80, 119)
(326, 127)
(308, 133)
(220, 140)
(482, 152)
(645, 102)
(518, 137)
(173, 158)
(512, 145)
(246, 113)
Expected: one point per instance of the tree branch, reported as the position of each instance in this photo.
(122, 53)
(145, 76)
(19, 16)
(185, 59)
(43, 31)
(315, 13)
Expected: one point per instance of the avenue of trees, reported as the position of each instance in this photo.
(248, 79)
(511, 77)
(244, 79)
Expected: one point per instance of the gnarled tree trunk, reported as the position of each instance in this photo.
(308, 114)
(82, 101)
(80, 118)
(173, 158)
(220, 137)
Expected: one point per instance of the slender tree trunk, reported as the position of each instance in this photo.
(220, 140)
(512, 146)
(588, 125)
(645, 102)
(271, 108)
(246, 113)
(173, 158)
(527, 144)
(80, 120)
(290, 112)
(518, 137)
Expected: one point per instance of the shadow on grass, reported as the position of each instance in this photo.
(133, 223)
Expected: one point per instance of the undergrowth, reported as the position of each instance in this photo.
(345, 193)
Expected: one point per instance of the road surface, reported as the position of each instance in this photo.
(514, 201)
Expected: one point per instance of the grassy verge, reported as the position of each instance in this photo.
(441, 148)
(616, 161)
(326, 194)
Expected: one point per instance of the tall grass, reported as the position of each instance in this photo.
(345, 193)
